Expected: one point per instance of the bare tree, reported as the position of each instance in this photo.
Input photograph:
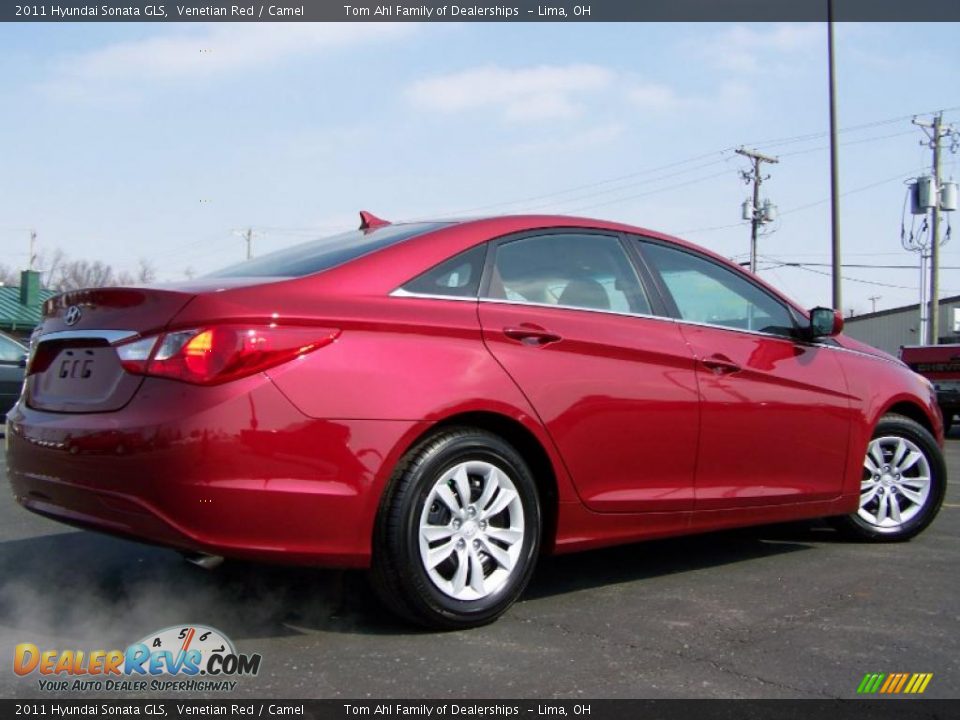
(144, 274)
(61, 274)
(77, 274)
(9, 276)
(146, 271)
(52, 267)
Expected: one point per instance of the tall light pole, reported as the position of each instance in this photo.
(834, 172)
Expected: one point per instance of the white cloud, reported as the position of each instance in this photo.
(534, 93)
(651, 98)
(655, 97)
(746, 49)
(209, 50)
(567, 143)
(555, 92)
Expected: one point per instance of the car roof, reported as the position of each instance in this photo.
(457, 234)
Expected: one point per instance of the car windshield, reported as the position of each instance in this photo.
(318, 255)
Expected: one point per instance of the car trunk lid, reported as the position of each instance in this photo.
(74, 366)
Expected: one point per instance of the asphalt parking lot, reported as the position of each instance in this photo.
(784, 611)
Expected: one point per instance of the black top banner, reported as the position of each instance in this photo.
(496, 11)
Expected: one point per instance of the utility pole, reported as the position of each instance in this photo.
(757, 214)
(936, 131)
(873, 302)
(33, 243)
(834, 172)
(247, 236)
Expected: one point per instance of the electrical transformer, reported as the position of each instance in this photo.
(924, 195)
(769, 213)
(948, 196)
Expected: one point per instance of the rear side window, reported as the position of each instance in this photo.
(576, 270)
(317, 255)
(457, 277)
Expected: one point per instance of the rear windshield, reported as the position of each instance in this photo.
(317, 255)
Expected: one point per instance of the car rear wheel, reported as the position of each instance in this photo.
(458, 532)
(903, 484)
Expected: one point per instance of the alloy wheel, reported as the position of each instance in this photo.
(896, 483)
(471, 530)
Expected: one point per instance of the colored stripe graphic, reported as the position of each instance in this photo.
(894, 683)
(918, 683)
(870, 683)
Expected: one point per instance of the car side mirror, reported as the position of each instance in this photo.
(825, 322)
(23, 361)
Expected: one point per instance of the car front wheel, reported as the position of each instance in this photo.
(903, 483)
(458, 531)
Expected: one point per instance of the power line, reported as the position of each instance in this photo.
(862, 188)
(845, 277)
(650, 192)
(776, 142)
(799, 208)
(861, 141)
(631, 185)
(789, 263)
(589, 186)
(726, 152)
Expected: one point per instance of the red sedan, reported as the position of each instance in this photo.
(443, 401)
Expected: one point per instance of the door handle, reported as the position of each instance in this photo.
(530, 334)
(720, 364)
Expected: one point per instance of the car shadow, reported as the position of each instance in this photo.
(657, 558)
(85, 587)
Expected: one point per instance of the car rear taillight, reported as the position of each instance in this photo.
(220, 353)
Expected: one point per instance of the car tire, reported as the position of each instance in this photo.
(903, 485)
(458, 531)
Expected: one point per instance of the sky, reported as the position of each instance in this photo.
(163, 142)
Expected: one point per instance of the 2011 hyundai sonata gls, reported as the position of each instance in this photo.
(442, 402)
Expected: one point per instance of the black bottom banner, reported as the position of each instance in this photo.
(875, 709)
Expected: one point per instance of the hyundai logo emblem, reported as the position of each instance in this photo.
(72, 316)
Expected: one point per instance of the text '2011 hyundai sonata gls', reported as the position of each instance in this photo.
(442, 402)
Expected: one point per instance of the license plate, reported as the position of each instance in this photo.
(75, 365)
(82, 374)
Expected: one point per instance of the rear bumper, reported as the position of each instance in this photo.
(234, 470)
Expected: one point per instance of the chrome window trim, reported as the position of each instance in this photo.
(400, 292)
(697, 323)
(111, 336)
(616, 313)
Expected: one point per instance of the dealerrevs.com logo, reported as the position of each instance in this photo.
(193, 658)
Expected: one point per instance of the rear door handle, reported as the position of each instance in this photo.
(720, 364)
(530, 334)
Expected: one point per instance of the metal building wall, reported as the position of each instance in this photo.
(889, 330)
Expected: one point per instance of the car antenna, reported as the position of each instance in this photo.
(369, 221)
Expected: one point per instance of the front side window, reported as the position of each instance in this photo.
(10, 352)
(574, 270)
(706, 292)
